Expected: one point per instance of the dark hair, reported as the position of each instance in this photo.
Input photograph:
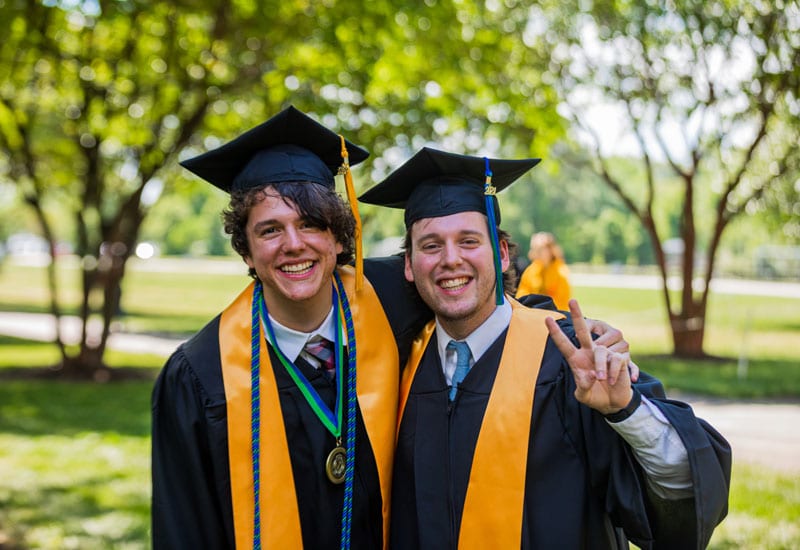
(509, 275)
(319, 205)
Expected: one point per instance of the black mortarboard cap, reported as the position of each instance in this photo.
(291, 146)
(435, 183)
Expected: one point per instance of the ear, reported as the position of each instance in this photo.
(505, 260)
(408, 272)
(339, 248)
(249, 261)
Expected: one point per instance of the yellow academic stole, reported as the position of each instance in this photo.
(376, 390)
(492, 515)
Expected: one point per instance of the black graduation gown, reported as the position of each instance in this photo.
(191, 506)
(583, 487)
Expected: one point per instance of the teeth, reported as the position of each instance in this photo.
(296, 268)
(454, 283)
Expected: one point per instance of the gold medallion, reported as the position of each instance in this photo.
(336, 465)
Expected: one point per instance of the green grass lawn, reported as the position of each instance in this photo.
(764, 512)
(79, 458)
(74, 457)
(76, 464)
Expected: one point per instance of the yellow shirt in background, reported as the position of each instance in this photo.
(552, 280)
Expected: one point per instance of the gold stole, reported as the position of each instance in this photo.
(376, 389)
(495, 494)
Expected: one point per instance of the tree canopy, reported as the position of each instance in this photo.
(98, 100)
(710, 90)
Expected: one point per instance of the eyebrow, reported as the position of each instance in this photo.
(265, 223)
(462, 233)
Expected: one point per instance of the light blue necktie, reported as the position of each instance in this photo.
(462, 364)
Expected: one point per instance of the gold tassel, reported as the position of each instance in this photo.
(351, 196)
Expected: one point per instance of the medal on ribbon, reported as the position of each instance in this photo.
(335, 465)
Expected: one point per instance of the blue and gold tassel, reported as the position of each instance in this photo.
(489, 192)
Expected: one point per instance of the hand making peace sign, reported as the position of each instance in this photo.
(602, 376)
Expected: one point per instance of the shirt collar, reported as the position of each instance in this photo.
(293, 341)
(482, 337)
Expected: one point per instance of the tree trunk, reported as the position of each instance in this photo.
(52, 278)
(688, 331)
(87, 364)
(102, 284)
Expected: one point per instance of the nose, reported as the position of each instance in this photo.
(293, 240)
(451, 255)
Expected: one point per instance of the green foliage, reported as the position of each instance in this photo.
(717, 80)
(566, 198)
(98, 101)
(705, 90)
(188, 220)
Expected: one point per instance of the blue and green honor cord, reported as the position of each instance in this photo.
(332, 420)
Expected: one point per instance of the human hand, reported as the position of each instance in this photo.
(602, 379)
(613, 339)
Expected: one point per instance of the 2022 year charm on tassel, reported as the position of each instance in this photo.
(335, 465)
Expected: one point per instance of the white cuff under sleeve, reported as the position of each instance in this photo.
(659, 449)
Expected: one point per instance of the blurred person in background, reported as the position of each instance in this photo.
(548, 273)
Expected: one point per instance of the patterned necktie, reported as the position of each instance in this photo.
(321, 349)
(462, 364)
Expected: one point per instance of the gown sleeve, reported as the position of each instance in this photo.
(646, 519)
(710, 462)
(189, 506)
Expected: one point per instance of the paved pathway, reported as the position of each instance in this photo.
(760, 432)
(784, 289)
(42, 327)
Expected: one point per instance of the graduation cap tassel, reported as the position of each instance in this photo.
(351, 196)
(489, 193)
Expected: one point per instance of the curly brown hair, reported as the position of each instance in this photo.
(509, 275)
(319, 205)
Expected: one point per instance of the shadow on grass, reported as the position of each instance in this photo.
(24, 359)
(35, 308)
(37, 407)
(83, 512)
(163, 325)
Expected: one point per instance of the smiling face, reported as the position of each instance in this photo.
(293, 258)
(450, 262)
